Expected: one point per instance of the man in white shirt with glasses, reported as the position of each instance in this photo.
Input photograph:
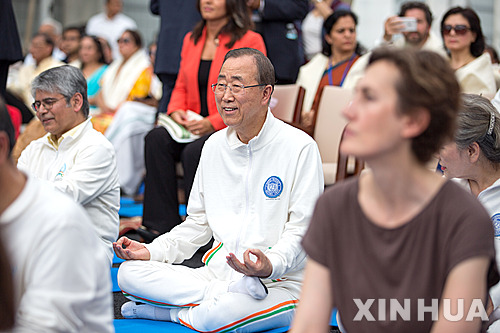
(72, 156)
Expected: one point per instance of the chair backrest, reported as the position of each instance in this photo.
(345, 168)
(287, 102)
(329, 122)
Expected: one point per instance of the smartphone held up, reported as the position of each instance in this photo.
(409, 24)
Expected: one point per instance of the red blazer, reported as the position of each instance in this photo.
(186, 95)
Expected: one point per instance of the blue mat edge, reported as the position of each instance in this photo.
(132, 208)
(124, 325)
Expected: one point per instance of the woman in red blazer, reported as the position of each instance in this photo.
(225, 25)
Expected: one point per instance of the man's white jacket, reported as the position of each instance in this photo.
(259, 195)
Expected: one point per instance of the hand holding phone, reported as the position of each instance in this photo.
(408, 24)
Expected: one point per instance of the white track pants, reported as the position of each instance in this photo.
(203, 302)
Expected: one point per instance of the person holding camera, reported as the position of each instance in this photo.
(414, 23)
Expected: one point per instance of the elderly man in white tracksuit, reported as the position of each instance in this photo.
(254, 192)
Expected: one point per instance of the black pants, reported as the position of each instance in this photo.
(161, 205)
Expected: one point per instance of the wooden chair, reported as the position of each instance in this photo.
(287, 102)
(347, 165)
(328, 126)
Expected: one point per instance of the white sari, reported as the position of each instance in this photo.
(116, 86)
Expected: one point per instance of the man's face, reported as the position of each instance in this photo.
(417, 38)
(40, 49)
(56, 116)
(70, 42)
(245, 111)
(113, 7)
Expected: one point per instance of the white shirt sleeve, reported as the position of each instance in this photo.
(308, 185)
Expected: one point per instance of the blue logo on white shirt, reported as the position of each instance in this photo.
(496, 224)
(61, 172)
(273, 187)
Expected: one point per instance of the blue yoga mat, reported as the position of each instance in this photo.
(130, 208)
(333, 320)
(149, 326)
(114, 280)
(182, 210)
(126, 201)
(117, 260)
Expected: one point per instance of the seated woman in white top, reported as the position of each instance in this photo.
(464, 41)
(474, 157)
(329, 68)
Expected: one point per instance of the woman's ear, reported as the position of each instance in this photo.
(473, 152)
(328, 39)
(416, 123)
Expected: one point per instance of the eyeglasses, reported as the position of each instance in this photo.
(460, 29)
(47, 103)
(123, 40)
(235, 89)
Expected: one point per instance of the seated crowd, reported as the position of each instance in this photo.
(92, 112)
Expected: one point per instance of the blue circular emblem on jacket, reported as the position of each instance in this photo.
(496, 224)
(273, 187)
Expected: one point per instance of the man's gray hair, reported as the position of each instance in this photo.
(479, 121)
(265, 69)
(65, 80)
(58, 27)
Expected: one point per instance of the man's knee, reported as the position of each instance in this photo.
(222, 311)
(129, 275)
